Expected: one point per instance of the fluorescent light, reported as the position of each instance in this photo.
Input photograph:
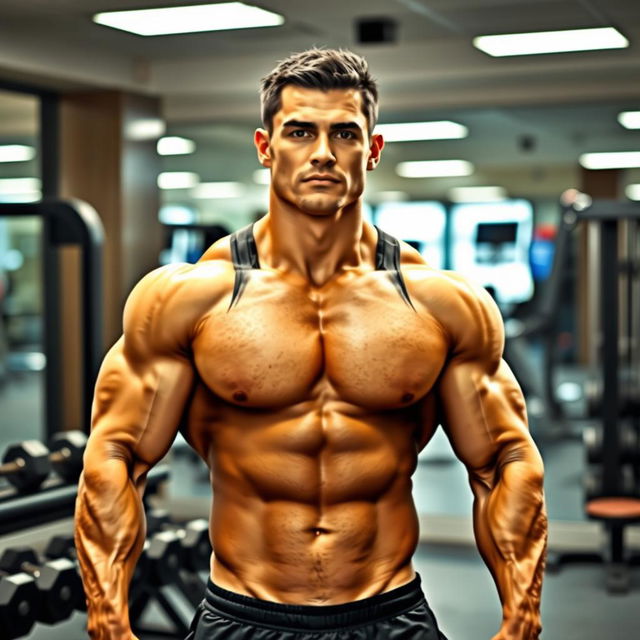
(477, 194)
(632, 191)
(15, 198)
(216, 190)
(522, 44)
(189, 19)
(14, 186)
(434, 168)
(20, 189)
(611, 160)
(629, 119)
(178, 180)
(16, 153)
(175, 146)
(437, 130)
(262, 176)
(142, 129)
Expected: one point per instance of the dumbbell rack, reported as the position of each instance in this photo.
(65, 223)
(55, 501)
(612, 508)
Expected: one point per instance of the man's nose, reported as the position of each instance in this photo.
(322, 154)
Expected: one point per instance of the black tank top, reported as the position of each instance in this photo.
(244, 255)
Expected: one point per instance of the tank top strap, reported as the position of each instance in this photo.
(244, 255)
(388, 259)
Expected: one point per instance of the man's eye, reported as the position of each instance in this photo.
(346, 135)
(299, 133)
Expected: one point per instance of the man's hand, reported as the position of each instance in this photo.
(518, 629)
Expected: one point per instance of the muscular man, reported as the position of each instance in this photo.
(308, 359)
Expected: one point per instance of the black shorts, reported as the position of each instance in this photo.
(400, 614)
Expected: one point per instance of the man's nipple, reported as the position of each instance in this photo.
(407, 397)
(239, 396)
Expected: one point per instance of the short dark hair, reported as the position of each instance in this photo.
(322, 69)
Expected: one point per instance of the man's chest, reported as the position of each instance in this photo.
(281, 345)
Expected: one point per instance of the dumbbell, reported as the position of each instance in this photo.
(27, 465)
(58, 583)
(629, 446)
(19, 604)
(194, 538)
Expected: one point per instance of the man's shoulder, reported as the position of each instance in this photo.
(185, 281)
(465, 310)
(167, 304)
(441, 286)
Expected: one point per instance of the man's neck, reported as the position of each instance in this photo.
(312, 246)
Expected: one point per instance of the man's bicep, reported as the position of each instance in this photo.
(483, 412)
(138, 404)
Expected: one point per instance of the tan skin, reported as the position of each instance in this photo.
(310, 399)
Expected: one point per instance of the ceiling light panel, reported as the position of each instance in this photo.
(217, 190)
(15, 186)
(407, 131)
(16, 153)
(632, 191)
(611, 160)
(189, 19)
(629, 119)
(477, 194)
(178, 180)
(434, 168)
(523, 44)
(175, 146)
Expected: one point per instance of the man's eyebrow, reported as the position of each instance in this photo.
(339, 126)
(299, 124)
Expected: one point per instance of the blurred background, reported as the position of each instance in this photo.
(154, 131)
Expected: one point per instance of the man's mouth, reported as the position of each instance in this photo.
(320, 178)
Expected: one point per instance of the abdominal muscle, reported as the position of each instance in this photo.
(311, 509)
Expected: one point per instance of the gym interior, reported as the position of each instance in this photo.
(122, 151)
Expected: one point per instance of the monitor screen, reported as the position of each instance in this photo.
(490, 245)
(496, 232)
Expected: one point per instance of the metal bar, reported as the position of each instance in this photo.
(49, 174)
(616, 542)
(51, 332)
(49, 145)
(77, 223)
(610, 210)
(609, 320)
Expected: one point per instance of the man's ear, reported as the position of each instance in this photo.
(375, 151)
(261, 140)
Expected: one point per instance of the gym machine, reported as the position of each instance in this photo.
(68, 223)
(615, 501)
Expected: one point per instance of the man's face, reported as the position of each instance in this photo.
(319, 149)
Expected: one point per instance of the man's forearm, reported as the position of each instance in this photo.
(511, 530)
(109, 533)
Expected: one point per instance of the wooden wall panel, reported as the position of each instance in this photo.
(117, 176)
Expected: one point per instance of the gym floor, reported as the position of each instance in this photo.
(457, 584)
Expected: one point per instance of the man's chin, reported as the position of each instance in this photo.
(320, 206)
